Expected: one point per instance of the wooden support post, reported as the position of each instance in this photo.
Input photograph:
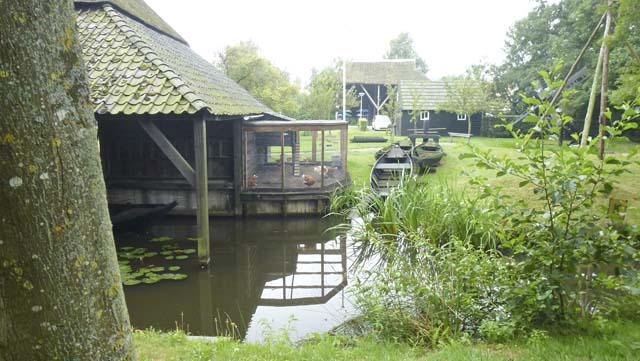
(314, 145)
(245, 135)
(169, 151)
(282, 161)
(202, 191)
(238, 166)
(322, 162)
(343, 152)
(295, 154)
(378, 101)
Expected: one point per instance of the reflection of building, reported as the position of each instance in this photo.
(171, 124)
(256, 262)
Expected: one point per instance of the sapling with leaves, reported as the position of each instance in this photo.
(562, 243)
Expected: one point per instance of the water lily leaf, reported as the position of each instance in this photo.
(166, 253)
(126, 248)
(174, 268)
(131, 282)
(157, 269)
(174, 276)
(161, 239)
(182, 257)
(150, 254)
(188, 251)
(169, 258)
(151, 280)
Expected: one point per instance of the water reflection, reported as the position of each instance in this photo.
(271, 269)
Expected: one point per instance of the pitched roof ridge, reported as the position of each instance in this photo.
(136, 41)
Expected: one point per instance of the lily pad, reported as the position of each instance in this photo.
(182, 257)
(126, 248)
(150, 254)
(161, 239)
(169, 258)
(166, 253)
(174, 276)
(131, 282)
(174, 268)
(188, 251)
(151, 280)
(157, 269)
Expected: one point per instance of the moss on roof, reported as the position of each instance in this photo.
(383, 72)
(142, 12)
(134, 69)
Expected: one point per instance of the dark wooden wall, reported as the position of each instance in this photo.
(445, 120)
(128, 152)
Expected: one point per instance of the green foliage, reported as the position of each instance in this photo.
(401, 47)
(134, 267)
(573, 263)
(270, 85)
(324, 93)
(392, 108)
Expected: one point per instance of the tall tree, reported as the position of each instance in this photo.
(242, 63)
(324, 93)
(470, 94)
(557, 32)
(401, 47)
(61, 296)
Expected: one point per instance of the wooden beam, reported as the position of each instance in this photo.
(314, 145)
(282, 161)
(343, 151)
(322, 162)
(238, 166)
(370, 98)
(169, 150)
(378, 101)
(202, 191)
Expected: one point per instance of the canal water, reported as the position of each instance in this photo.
(267, 275)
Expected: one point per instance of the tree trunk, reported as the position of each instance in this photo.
(60, 292)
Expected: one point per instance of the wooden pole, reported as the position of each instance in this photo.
(343, 150)
(238, 167)
(592, 99)
(322, 161)
(282, 161)
(605, 79)
(314, 145)
(202, 191)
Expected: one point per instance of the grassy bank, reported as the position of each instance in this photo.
(622, 342)
(456, 172)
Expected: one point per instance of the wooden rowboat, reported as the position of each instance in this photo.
(426, 155)
(390, 170)
(131, 215)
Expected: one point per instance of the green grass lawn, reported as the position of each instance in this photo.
(456, 172)
(621, 343)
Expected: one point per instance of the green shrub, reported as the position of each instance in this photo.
(362, 124)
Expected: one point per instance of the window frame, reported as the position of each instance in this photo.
(422, 113)
(461, 116)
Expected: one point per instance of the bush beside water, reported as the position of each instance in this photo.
(478, 263)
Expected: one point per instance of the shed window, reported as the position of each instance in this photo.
(462, 116)
(424, 115)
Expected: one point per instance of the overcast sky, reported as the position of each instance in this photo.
(300, 35)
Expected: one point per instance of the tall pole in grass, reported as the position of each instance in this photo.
(605, 78)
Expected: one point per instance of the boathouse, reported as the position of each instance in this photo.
(172, 127)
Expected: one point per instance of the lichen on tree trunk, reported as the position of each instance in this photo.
(60, 290)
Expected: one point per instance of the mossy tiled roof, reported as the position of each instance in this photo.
(139, 10)
(382, 72)
(135, 69)
(428, 94)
